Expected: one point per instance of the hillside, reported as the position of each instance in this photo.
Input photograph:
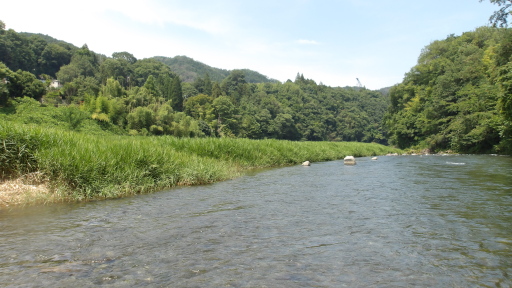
(48, 39)
(458, 97)
(125, 95)
(385, 91)
(189, 70)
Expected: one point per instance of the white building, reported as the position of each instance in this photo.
(55, 84)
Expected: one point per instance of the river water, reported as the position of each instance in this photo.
(404, 221)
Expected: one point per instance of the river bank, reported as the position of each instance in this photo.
(73, 166)
(18, 191)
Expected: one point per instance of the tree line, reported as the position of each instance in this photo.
(144, 97)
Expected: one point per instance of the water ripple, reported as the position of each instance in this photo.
(397, 222)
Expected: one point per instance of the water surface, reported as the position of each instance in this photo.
(406, 221)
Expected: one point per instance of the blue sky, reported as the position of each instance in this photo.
(333, 42)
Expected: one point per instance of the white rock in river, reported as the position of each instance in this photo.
(306, 163)
(349, 160)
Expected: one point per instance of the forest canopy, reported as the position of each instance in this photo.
(126, 95)
(458, 97)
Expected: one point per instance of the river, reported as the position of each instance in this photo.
(402, 221)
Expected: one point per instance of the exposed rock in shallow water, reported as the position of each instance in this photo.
(349, 160)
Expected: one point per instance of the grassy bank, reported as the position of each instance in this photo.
(78, 166)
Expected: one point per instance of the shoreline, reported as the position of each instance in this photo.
(20, 192)
(59, 166)
(35, 189)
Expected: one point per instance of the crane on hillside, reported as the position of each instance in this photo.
(359, 83)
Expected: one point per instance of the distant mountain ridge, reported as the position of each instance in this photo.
(189, 70)
(49, 39)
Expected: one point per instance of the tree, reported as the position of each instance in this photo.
(199, 107)
(112, 89)
(141, 118)
(235, 85)
(499, 18)
(23, 83)
(117, 111)
(67, 73)
(299, 78)
(266, 123)
(199, 84)
(124, 56)
(250, 128)
(139, 97)
(216, 91)
(176, 94)
(226, 122)
(53, 57)
(16, 52)
(79, 87)
(188, 90)
(68, 91)
(285, 127)
(37, 45)
(4, 91)
(145, 67)
(165, 117)
(83, 63)
(207, 85)
(150, 85)
(164, 84)
(119, 69)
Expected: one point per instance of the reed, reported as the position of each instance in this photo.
(90, 167)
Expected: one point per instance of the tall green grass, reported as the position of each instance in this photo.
(268, 153)
(91, 166)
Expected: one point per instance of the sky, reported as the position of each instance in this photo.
(332, 42)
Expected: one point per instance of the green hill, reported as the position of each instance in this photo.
(189, 70)
(458, 97)
(174, 96)
(48, 39)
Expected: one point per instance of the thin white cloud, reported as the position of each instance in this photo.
(307, 42)
(177, 13)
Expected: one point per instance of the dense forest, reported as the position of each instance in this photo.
(458, 97)
(125, 95)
